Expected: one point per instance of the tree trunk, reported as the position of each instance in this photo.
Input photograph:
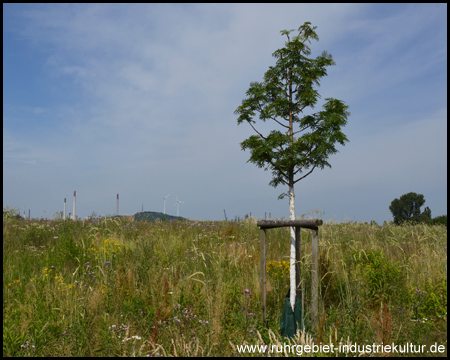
(293, 285)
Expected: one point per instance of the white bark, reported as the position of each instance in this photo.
(293, 285)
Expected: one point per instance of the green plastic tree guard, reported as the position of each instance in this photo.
(291, 320)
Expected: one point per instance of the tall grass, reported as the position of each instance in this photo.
(118, 287)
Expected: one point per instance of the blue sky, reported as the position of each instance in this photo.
(139, 100)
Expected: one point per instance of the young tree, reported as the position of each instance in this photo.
(301, 142)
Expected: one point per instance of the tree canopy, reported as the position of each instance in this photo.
(408, 208)
(302, 141)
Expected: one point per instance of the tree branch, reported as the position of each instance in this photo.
(277, 167)
(257, 131)
(307, 156)
(305, 174)
(300, 110)
(279, 86)
(274, 119)
(307, 126)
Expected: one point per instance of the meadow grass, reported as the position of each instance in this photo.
(117, 287)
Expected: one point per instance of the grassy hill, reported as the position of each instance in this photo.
(152, 215)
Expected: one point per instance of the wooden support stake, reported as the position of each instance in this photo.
(262, 256)
(312, 224)
(314, 278)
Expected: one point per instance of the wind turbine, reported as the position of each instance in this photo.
(165, 202)
(177, 204)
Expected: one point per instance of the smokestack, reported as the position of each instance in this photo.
(74, 201)
(29, 215)
(64, 216)
(117, 207)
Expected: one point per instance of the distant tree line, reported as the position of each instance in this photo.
(407, 208)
